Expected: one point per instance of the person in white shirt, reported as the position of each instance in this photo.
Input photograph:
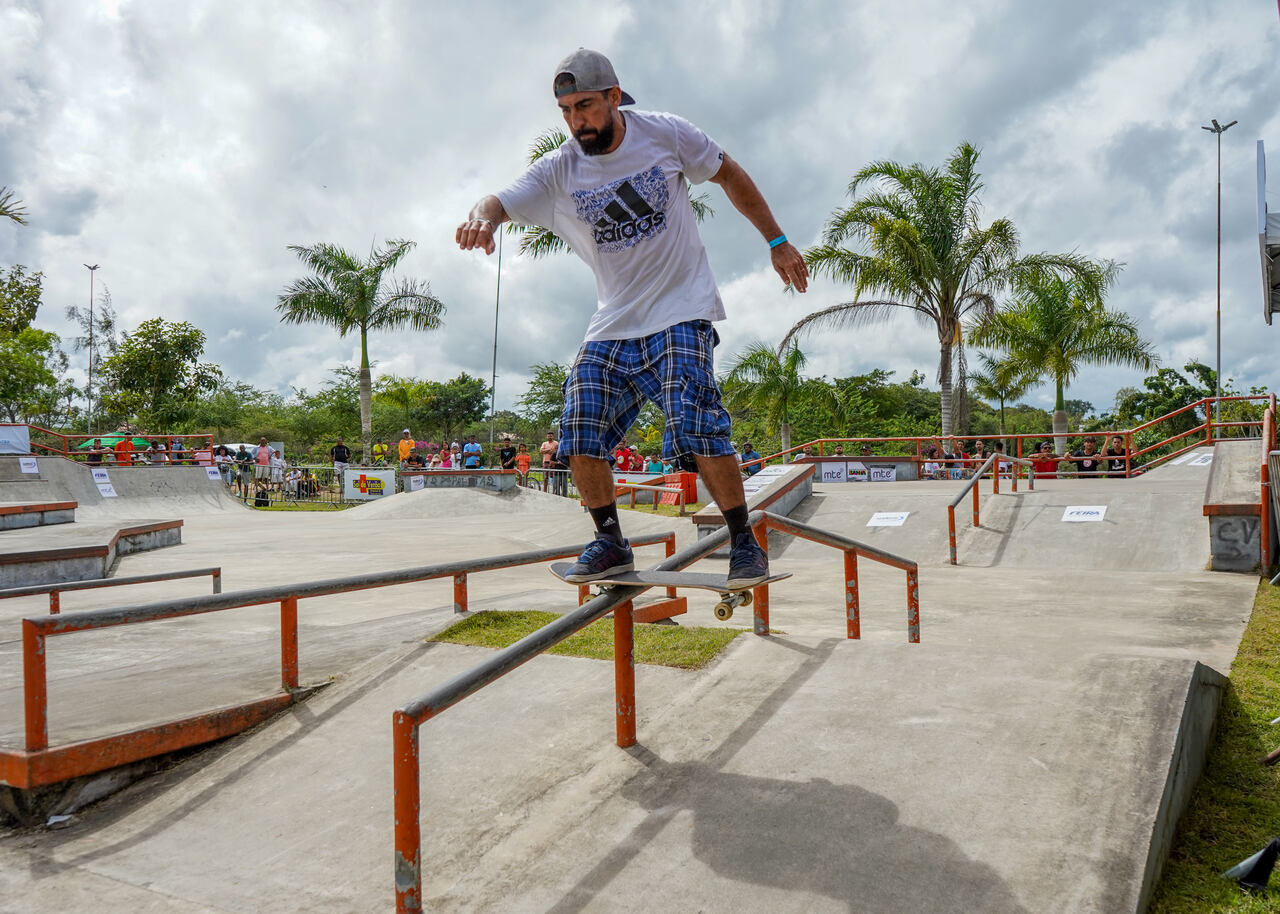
(617, 194)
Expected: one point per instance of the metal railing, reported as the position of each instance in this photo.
(39, 764)
(634, 487)
(972, 487)
(56, 590)
(407, 719)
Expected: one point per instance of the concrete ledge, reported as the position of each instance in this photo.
(496, 480)
(1191, 747)
(18, 515)
(31, 561)
(779, 496)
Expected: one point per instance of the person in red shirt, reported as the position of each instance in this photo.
(1045, 461)
(622, 457)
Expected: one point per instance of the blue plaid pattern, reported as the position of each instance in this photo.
(611, 379)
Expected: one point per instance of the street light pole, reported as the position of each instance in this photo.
(91, 269)
(1219, 130)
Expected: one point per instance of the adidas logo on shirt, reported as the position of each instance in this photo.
(627, 216)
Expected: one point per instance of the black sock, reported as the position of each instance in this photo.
(736, 520)
(606, 521)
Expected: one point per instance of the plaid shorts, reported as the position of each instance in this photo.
(611, 379)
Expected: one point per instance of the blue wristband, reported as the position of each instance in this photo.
(781, 239)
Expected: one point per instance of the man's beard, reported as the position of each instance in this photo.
(595, 142)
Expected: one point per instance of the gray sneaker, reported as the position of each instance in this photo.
(748, 563)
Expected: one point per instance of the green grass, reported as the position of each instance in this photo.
(666, 510)
(305, 506)
(665, 645)
(1235, 808)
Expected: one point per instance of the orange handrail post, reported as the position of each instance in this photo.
(671, 550)
(55, 603)
(951, 531)
(977, 522)
(407, 803)
(913, 606)
(851, 593)
(35, 687)
(624, 674)
(289, 643)
(459, 593)
(760, 595)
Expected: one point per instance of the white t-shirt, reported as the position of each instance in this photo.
(627, 214)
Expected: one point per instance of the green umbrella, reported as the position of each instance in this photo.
(111, 441)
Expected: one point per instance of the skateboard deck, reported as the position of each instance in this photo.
(716, 583)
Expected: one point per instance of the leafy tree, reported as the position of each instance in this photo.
(11, 207)
(32, 367)
(928, 254)
(354, 295)
(1000, 381)
(1056, 326)
(539, 242)
(404, 394)
(543, 400)
(765, 381)
(455, 404)
(155, 376)
(19, 298)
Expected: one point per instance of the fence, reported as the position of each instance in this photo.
(407, 719)
(262, 487)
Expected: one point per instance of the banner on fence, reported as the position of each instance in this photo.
(366, 485)
(416, 483)
(15, 439)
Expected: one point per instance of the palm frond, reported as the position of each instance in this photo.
(11, 207)
(546, 142)
(855, 313)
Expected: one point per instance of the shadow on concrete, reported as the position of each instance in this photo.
(814, 837)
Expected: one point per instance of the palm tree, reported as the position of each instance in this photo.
(762, 379)
(928, 255)
(1055, 326)
(998, 380)
(349, 294)
(539, 242)
(11, 207)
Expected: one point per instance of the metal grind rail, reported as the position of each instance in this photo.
(972, 487)
(38, 764)
(407, 719)
(56, 590)
(635, 487)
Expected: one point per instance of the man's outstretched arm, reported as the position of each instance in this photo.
(482, 222)
(747, 199)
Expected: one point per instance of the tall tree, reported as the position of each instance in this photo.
(998, 380)
(763, 380)
(927, 253)
(543, 400)
(19, 298)
(156, 374)
(354, 295)
(11, 207)
(1056, 326)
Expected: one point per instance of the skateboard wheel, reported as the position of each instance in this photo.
(746, 598)
(724, 611)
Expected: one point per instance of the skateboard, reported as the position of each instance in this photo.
(716, 583)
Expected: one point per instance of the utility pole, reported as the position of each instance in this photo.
(1217, 403)
(493, 382)
(91, 269)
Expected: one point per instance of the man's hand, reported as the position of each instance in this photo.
(476, 233)
(788, 264)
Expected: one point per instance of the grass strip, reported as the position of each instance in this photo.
(688, 648)
(1235, 808)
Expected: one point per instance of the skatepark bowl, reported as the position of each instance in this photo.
(407, 719)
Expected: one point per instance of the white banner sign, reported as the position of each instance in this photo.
(366, 485)
(753, 484)
(212, 473)
(100, 475)
(1084, 514)
(855, 472)
(28, 465)
(416, 483)
(883, 474)
(15, 439)
(888, 519)
(832, 472)
(107, 490)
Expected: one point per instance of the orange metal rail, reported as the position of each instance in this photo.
(972, 486)
(38, 764)
(407, 719)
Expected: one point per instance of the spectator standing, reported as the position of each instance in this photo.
(472, 454)
(1045, 462)
(1116, 455)
(291, 483)
(548, 450)
(654, 464)
(866, 450)
(1087, 460)
(94, 457)
(839, 452)
(622, 457)
(124, 450)
(414, 461)
(277, 470)
(244, 471)
(222, 460)
(340, 454)
(262, 462)
(177, 452)
(507, 455)
(404, 445)
(523, 460)
(455, 456)
(749, 454)
(156, 454)
(380, 453)
(560, 476)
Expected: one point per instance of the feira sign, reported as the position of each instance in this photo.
(366, 485)
(1084, 514)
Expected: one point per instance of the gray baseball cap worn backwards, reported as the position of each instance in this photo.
(589, 71)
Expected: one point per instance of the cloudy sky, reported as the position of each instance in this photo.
(183, 146)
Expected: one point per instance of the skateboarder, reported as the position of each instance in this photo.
(617, 193)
